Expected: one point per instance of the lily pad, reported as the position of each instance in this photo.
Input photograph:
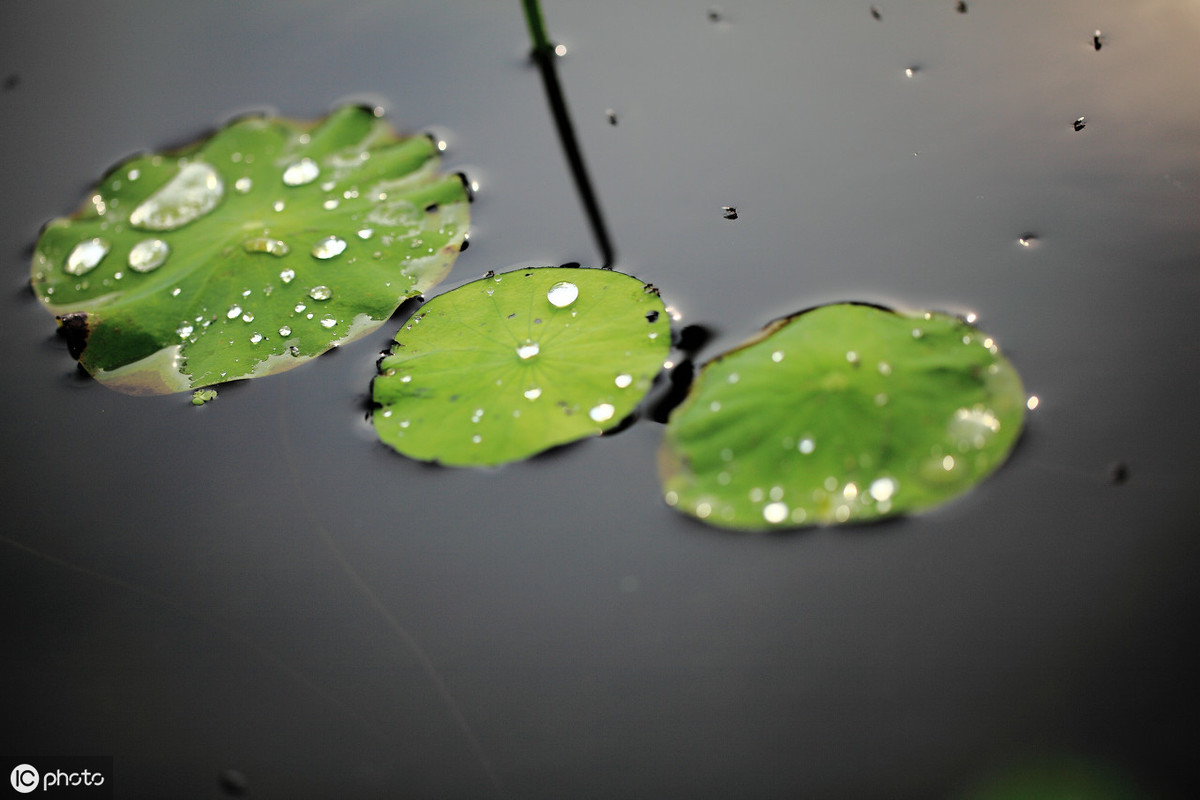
(842, 413)
(510, 365)
(249, 252)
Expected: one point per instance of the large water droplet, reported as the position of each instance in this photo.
(328, 322)
(806, 445)
(148, 255)
(285, 331)
(194, 191)
(184, 330)
(602, 412)
(243, 185)
(775, 513)
(86, 255)
(329, 247)
(533, 394)
(562, 294)
(265, 244)
(233, 312)
(528, 350)
(319, 293)
(623, 380)
(882, 489)
(301, 172)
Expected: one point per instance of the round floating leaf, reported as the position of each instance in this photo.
(511, 365)
(249, 252)
(846, 412)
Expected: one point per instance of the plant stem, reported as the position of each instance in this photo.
(537, 28)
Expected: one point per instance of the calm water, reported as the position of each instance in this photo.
(257, 585)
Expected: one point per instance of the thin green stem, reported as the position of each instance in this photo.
(537, 28)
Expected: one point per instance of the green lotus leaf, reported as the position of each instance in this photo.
(511, 365)
(842, 413)
(249, 252)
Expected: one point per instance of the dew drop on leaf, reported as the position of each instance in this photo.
(301, 172)
(266, 244)
(562, 294)
(329, 247)
(148, 255)
(317, 293)
(85, 256)
(194, 191)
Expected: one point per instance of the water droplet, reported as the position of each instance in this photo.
(948, 463)
(602, 412)
(777, 356)
(885, 368)
(287, 275)
(301, 172)
(194, 191)
(724, 478)
(477, 415)
(756, 495)
(1032, 402)
(300, 307)
(85, 256)
(714, 406)
(806, 445)
(528, 350)
(623, 380)
(279, 205)
(256, 338)
(703, 509)
(852, 357)
(733, 377)
(329, 205)
(285, 331)
(247, 317)
(148, 255)
(1080, 123)
(175, 292)
(184, 330)
(562, 294)
(533, 394)
(134, 174)
(233, 312)
(328, 321)
(406, 378)
(243, 185)
(917, 333)
(882, 489)
(775, 512)
(366, 233)
(265, 244)
(318, 293)
(329, 247)
(881, 399)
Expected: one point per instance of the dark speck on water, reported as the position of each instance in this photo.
(1097, 39)
(876, 13)
(1119, 473)
(612, 116)
(1080, 123)
(729, 212)
(961, 7)
(714, 15)
(11, 81)
(233, 783)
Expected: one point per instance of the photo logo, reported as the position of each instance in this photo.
(24, 778)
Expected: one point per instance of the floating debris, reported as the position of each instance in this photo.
(1080, 123)
(202, 396)
(729, 212)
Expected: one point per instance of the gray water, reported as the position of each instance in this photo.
(258, 585)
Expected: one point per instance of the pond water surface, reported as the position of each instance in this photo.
(257, 585)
